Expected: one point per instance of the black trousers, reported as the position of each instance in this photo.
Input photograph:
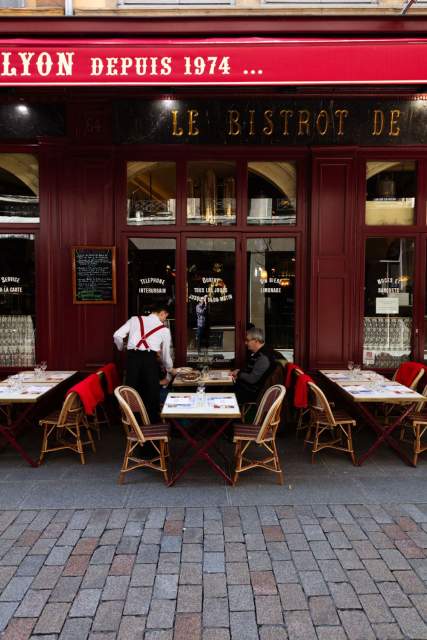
(143, 374)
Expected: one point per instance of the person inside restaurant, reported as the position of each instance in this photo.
(147, 338)
(259, 364)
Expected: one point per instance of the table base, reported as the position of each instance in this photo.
(200, 451)
(385, 433)
(13, 428)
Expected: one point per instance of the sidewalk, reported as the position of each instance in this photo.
(337, 552)
(326, 572)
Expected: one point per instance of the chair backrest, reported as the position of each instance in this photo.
(71, 410)
(130, 402)
(275, 376)
(103, 380)
(268, 414)
(420, 406)
(411, 372)
(319, 405)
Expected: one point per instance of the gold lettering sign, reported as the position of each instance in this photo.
(303, 122)
(341, 114)
(394, 118)
(192, 119)
(286, 114)
(378, 122)
(176, 131)
(269, 127)
(234, 126)
(322, 122)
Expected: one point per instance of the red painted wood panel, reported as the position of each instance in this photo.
(332, 262)
(86, 217)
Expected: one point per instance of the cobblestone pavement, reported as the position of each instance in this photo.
(297, 572)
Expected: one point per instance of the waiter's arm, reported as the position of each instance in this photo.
(166, 350)
(121, 334)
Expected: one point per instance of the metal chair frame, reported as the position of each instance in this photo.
(130, 402)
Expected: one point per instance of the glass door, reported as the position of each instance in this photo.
(270, 268)
(210, 299)
(151, 276)
(389, 287)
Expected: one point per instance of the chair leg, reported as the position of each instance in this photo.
(277, 463)
(417, 445)
(92, 443)
(315, 443)
(237, 461)
(125, 463)
(79, 445)
(163, 446)
(350, 444)
(44, 444)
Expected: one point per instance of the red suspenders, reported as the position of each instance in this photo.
(144, 336)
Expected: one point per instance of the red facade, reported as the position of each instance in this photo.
(83, 202)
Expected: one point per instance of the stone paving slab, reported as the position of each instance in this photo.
(291, 572)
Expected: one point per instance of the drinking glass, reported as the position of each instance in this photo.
(200, 400)
(357, 369)
(43, 365)
(38, 371)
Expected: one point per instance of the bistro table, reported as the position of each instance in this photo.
(212, 378)
(370, 388)
(26, 391)
(201, 407)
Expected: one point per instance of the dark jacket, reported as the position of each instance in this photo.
(258, 367)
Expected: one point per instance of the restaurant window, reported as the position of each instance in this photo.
(19, 188)
(390, 192)
(17, 300)
(271, 291)
(210, 300)
(389, 288)
(211, 193)
(151, 276)
(272, 188)
(151, 193)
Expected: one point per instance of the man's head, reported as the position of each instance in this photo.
(254, 339)
(162, 310)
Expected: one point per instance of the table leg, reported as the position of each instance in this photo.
(201, 452)
(9, 432)
(385, 434)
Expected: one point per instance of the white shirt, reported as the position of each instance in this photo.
(160, 341)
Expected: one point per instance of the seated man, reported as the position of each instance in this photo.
(250, 379)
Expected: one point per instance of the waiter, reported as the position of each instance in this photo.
(147, 337)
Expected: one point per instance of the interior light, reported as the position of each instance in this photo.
(22, 108)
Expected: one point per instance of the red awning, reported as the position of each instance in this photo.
(220, 61)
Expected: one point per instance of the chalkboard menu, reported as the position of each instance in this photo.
(94, 275)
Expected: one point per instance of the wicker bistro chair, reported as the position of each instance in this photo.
(274, 377)
(262, 434)
(302, 414)
(100, 416)
(414, 428)
(140, 433)
(336, 425)
(388, 410)
(62, 429)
